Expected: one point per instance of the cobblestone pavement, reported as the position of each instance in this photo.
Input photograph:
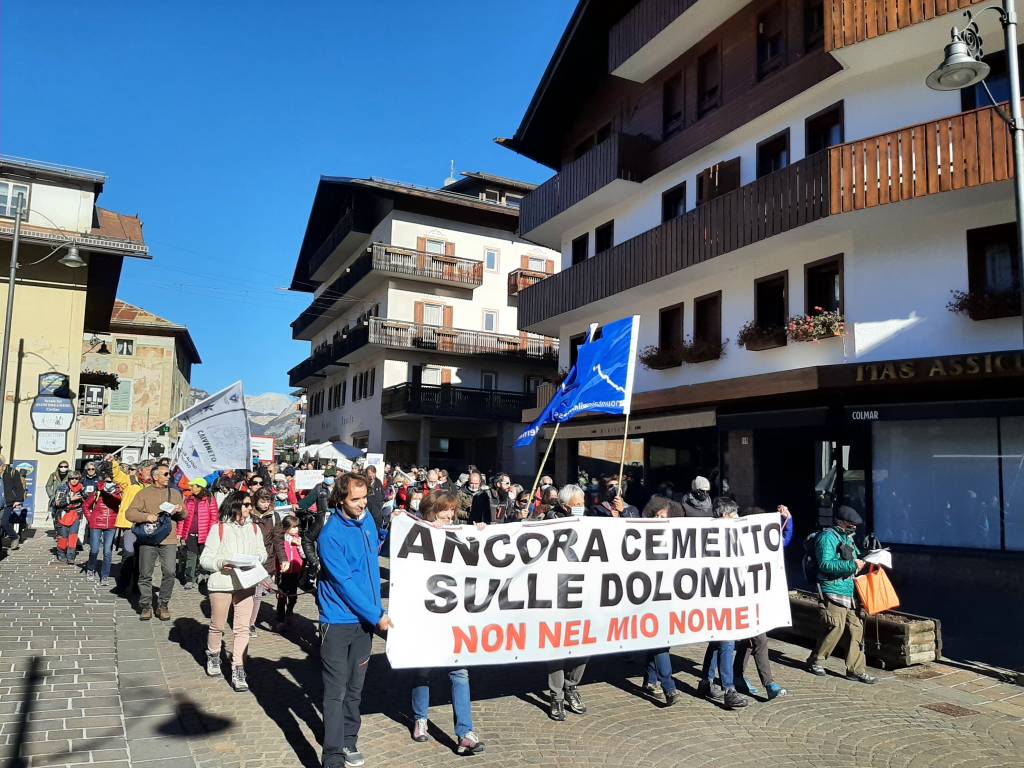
(114, 691)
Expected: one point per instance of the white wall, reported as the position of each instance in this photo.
(52, 205)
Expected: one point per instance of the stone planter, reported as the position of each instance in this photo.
(892, 639)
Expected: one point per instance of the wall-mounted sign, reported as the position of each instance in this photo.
(926, 369)
(90, 401)
(27, 468)
(51, 442)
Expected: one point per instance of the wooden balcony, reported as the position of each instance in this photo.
(520, 279)
(641, 24)
(620, 157)
(848, 22)
(397, 334)
(957, 152)
(453, 402)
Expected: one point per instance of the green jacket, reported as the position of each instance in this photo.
(835, 575)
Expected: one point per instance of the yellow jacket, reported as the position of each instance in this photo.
(129, 490)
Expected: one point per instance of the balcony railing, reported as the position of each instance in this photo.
(452, 401)
(958, 152)
(847, 23)
(641, 25)
(340, 232)
(520, 279)
(620, 156)
(460, 341)
(392, 260)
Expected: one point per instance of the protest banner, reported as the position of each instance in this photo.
(580, 586)
(216, 434)
(264, 449)
(376, 460)
(305, 479)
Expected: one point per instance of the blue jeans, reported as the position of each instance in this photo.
(94, 549)
(462, 702)
(718, 661)
(659, 668)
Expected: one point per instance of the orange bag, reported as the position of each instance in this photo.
(875, 591)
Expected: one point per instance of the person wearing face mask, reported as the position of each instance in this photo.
(838, 560)
(314, 511)
(613, 504)
(69, 503)
(659, 662)
(415, 499)
(57, 478)
(469, 507)
(697, 503)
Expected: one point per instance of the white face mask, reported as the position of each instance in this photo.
(577, 511)
(414, 505)
(282, 495)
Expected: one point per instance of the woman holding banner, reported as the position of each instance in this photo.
(441, 512)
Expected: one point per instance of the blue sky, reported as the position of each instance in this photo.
(214, 119)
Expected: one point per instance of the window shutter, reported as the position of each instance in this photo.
(728, 176)
(549, 267)
(448, 315)
(524, 262)
(421, 244)
(446, 375)
(449, 249)
(418, 313)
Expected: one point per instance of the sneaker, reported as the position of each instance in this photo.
(353, 757)
(745, 687)
(238, 679)
(419, 731)
(557, 712)
(104, 582)
(146, 614)
(816, 669)
(709, 691)
(188, 586)
(212, 664)
(16, 545)
(733, 700)
(863, 677)
(775, 690)
(163, 614)
(469, 744)
(574, 701)
(651, 689)
(671, 697)
(90, 575)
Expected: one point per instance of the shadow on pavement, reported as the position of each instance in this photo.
(35, 677)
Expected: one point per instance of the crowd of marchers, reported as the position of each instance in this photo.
(246, 535)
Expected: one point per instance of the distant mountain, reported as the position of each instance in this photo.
(268, 403)
(273, 415)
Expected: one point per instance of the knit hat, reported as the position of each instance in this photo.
(330, 472)
(700, 484)
(199, 482)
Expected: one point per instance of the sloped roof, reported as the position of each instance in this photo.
(118, 226)
(130, 318)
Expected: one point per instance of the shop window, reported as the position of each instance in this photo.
(824, 129)
(670, 327)
(709, 82)
(707, 318)
(604, 237)
(773, 154)
(823, 282)
(574, 347)
(998, 82)
(718, 180)
(771, 41)
(672, 106)
(580, 248)
(936, 482)
(1011, 432)
(814, 25)
(992, 264)
(770, 305)
(673, 202)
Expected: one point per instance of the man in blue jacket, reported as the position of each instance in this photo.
(350, 608)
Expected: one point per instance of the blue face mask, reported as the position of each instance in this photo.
(328, 481)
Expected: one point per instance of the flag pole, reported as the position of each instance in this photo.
(540, 469)
(622, 456)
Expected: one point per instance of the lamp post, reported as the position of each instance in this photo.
(962, 67)
(70, 259)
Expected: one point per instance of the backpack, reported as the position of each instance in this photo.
(809, 562)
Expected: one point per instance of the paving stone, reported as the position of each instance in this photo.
(158, 748)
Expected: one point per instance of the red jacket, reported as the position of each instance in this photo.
(206, 509)
(101, 508)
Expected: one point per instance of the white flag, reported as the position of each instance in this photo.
(215, 435)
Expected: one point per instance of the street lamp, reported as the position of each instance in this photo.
(962, 67)
(70, 259)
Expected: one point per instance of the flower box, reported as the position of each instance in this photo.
(701, 351)
(658, 359)
(756, 338)
(819, 325)
(979, 305)
(101, 378)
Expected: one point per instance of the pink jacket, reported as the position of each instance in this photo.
(206, 509)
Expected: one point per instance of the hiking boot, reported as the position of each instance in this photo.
(557, 712)
(574, 701)
(419, 731)
(146, 614)
(733, 700)
(353, 757)
(709, 691)
(775, 690)
(238, 679)
(816, 669)
(469, 744)
(671, 697)
(212, 664)
(163, 614)
(651, 689)
(863, 677)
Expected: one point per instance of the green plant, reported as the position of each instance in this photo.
(752, 335)
(980, 305)
(699, 350)
(658, 359)
(821, 324)
(101, 378)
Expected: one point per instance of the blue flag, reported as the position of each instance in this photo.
(600, 382)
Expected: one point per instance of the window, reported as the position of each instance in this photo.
(574, 347)
(373, 381)
(771, 41)
(492, 195)
(814, 24)
(435, 246)
(672, 106)
(673, 202)
(121, 398)
(997, 80)
(825, 129)
(490, 321)
(433, 314)
(718, 180)
(770, 305)
(432, 375)
(604, 237)
(530, 384)
(356, 394)
(124, 346)
(581, 248)
(11, 196)
(344, 392)
(823, 284)
(707, 318)
(773, 154)
(709, 82)
(491, 259)
(513, 201)
(992, 264)
(583, 147)
(488, 380)
(537, 263)
(670, 327)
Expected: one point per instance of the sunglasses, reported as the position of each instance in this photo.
(62, 466)
(246, 504)
(255, 482)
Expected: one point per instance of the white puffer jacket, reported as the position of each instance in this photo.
(227, 540)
